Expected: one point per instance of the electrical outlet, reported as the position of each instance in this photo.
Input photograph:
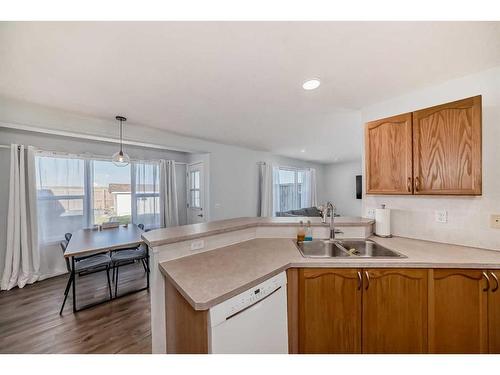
(441, 216)
(197, 245)
(495, 221)
(370, 213)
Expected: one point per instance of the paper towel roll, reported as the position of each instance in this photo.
(383, 222)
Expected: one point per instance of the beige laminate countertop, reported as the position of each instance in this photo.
(208, 278)
(165, 236)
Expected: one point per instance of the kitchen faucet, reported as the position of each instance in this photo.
(330, 208)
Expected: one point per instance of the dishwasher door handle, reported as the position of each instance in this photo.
(253, 304)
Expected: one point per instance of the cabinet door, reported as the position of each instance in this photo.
(494, 312)
(458, 317)
(395, 311)
(447, 148)
(330, 311)
(388, 155)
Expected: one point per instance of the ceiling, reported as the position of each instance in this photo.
(240, 82)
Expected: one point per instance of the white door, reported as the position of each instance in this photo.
(195, 193)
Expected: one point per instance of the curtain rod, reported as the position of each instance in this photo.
(8, 147)
(287, 167)
(101, 157)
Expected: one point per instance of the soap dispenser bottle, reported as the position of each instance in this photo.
(301, 232)
(309, 232)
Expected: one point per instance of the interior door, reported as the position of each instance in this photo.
(388, 153)
(458, 316)
(447, 148)
(195, 193)
(329, 310)
(395, 311)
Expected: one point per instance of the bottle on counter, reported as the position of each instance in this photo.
(309, 232)
(301, 232)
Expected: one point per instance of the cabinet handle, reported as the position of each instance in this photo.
(487, 282)
(417, 184)
(408, 185)
(496, 281)
(367, 280)
(360, 280)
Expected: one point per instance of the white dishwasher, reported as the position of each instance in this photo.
(254, 321)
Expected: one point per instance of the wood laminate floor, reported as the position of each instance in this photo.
(30, 320)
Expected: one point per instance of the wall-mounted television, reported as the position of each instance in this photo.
(358, 187)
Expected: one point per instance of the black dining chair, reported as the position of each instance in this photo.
(122, 257)
(84, 266)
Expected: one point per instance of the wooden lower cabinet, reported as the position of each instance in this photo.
(329, 310)
(494, 312)
(458, 312)
(186, 328)
(346, 311)
(395, 311)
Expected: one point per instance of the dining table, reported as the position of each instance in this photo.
(89, 241)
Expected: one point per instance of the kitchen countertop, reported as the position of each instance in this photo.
(165, 236)
(206, 279)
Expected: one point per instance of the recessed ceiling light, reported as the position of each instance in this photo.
(311, 84)
(302, 150)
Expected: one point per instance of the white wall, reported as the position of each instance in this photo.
(340, 187)
(468, 217)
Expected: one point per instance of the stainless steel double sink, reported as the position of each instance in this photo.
(349, 248)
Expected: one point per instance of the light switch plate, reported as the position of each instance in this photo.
(370, 213)
(197, 245)
(495, 221)
(441, 216)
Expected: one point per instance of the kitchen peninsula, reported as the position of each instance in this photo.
(232, 256)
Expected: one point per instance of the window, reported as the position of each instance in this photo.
(76, 193)
(111, 193)
(61, 197)
(293, 188)
(194, 189)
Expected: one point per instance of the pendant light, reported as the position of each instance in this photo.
(121, 159)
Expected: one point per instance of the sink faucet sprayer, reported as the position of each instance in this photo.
(330, 208)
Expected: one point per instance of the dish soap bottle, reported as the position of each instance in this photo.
(309, 232)
(301, 232)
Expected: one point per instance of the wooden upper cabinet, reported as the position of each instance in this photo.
(395, 311)
(329, 311)
(447, 148)
(458, 312)
(388, 155)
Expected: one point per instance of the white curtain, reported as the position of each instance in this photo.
(63, 205)
(309, 189)
(146, 194)
(276, 189)
(22, 257)
(265, 190)
(169, 215)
